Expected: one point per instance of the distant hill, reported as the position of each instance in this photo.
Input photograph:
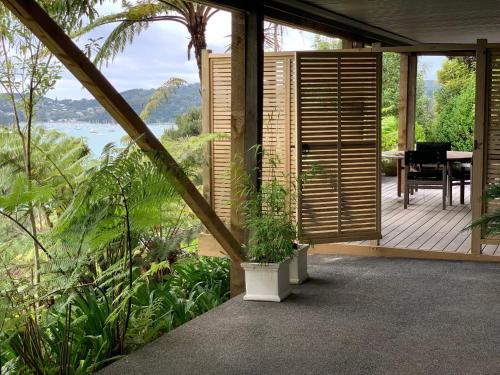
(430, 87)
(89, 110)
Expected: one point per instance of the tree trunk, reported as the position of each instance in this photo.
(29, 177)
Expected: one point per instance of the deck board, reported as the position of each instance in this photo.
(424, 225)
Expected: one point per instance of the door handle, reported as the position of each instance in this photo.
(305, 148)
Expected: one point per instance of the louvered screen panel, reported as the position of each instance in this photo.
(338, 105)
(358, 148)
(277, 117)
(278, 136)
(492, 161)
(220, 94)
(274, 135)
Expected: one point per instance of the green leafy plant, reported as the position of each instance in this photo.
(455, 102)
(268, 215)
(80, 333)
(490, 221)
(188, 124)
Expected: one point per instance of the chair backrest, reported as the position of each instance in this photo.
(420, 157)
(430, 146)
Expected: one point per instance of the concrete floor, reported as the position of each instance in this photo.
(354, 316)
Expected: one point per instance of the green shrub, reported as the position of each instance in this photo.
(455, 121)
(78, 334)
(268, 217)
(390, 135)
(188, 124)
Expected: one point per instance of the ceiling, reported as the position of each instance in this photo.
(426, 21)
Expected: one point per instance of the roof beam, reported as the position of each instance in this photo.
(449, 49)
(299, 14)
(61, 45)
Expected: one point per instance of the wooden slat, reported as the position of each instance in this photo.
(61, 45)
(338, 130)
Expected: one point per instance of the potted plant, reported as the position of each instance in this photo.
(271, 226)
(298, 264)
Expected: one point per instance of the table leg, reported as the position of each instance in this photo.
(450, 184)
(400, 175)
(462, 184)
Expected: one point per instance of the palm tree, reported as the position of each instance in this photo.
(136, 18)
(273, 36)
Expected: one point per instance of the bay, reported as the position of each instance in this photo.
(99, 135)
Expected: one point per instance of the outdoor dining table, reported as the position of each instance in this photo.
(451, 157)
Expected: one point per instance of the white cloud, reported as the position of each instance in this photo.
(160, 53)
(430, 65)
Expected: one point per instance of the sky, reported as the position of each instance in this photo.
(160, 53)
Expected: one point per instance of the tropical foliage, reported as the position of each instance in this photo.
(118, 265)
(490, 221)
(98, 256)
(390, 103)
(188, 124)
(454, 105)
(27, 72)
(321, 43)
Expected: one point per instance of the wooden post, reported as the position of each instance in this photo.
(407, 109)
(247, 66)
(206, 125)
(349, 44)
(407, 101)
(376, 242)
(480, 138)
(61, 45)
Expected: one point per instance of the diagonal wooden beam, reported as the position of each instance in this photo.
(61, 45)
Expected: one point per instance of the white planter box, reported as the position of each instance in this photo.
(267, 281)
(298, 265)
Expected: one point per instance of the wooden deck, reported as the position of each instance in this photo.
(424, 225)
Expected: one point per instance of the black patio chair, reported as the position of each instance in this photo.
(431, 146)
(425, 170)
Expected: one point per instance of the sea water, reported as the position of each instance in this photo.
(99, 135)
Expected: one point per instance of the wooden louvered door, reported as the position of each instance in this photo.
(492, 133)
(486, 159)
(338, 141)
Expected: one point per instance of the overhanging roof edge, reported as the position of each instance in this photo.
(311, 17)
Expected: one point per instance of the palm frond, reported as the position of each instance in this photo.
(131, 22)
(160, 95)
